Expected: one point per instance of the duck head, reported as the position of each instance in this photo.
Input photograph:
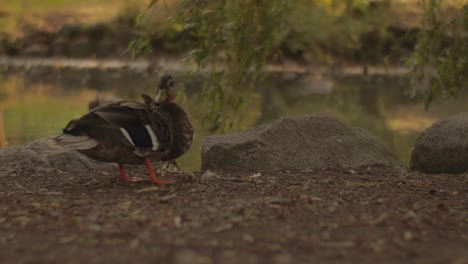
(167, 90)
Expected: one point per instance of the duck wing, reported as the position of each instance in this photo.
(131, 123)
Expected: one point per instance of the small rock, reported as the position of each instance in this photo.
(177, 221)
(134, 243)
(124, 205)
(228, 257)
(408, 235)
(21, 220)
(248, 238)
(208, 175)
(282, 259)
(188, 256)
(66, 240)
(338, 244)
(94, 227)
(378, 245)
(214, 243)
(223, 227)
(148, 189)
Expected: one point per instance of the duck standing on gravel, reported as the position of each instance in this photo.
(133, 133)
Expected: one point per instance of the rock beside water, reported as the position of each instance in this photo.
(443, 147)
(315, 141)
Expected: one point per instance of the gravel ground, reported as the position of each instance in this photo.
(363, 216)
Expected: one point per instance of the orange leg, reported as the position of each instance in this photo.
(153, 177)
(124, 177)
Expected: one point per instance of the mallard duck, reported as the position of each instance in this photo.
(127, 132)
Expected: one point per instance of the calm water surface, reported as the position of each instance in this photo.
(39, 102)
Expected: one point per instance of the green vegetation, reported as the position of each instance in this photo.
(246, 36)
(249, 32)
(236, 38)
(440, 61)
(318, 31)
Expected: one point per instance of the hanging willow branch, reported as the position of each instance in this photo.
(241, 35)
(440, 61)
(233, 38)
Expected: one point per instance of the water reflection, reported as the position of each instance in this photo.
(39, 102)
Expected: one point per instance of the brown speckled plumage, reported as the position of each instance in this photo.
(130, 132)
(183, 136)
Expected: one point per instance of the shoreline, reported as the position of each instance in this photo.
(176, 65)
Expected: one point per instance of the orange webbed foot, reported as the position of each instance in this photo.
(124, 177)
(153, 177)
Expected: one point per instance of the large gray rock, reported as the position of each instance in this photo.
(42, 156)
(314, 141)
(443, 147)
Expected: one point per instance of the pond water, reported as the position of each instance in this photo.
(39, 102)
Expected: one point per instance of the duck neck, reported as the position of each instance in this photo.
(182, 130)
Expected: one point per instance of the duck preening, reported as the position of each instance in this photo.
(133, 133)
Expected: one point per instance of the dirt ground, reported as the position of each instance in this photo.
(364, 216)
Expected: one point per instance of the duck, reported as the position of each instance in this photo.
(127, 132)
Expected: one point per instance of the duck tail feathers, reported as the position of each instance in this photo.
(70, 141)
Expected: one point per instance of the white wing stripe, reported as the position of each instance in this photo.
(127, 136)
(154, 139)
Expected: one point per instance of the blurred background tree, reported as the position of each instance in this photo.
(439, 64)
